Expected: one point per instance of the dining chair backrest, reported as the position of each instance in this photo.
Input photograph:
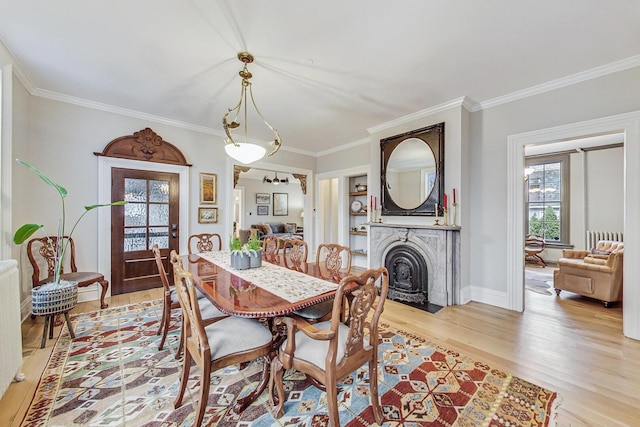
(41, 254)
(271, 249)
(204, 242)
(352, 341)
(42, 257)
(195, 337)
(295, 252)
(333, 261)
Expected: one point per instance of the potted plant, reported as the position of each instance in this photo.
(253, 248)
(62, 244)
(239, 259)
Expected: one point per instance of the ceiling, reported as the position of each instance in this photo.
(325, 71)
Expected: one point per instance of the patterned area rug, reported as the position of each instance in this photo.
(114, 375)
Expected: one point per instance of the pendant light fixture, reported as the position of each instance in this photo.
(239, 148)
(275, 180)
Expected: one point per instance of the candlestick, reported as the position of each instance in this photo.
(437, 221)
(454, 213)
(445, 216)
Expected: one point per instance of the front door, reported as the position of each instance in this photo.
(150, 217)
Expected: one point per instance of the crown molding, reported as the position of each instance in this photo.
(455, 103)
(346, 146)
(6, 57)
(614, 67)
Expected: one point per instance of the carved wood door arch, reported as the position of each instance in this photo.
(152, 214)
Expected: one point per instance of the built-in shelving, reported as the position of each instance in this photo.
(358, 219)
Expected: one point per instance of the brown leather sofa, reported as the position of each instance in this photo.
(595, 274)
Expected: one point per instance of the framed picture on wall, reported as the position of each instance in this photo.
(280, 204)
(263, 199)
(208, 188)
(263, 210)
(207, 215)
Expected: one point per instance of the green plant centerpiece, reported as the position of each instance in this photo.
(239, 258)
(253, 248)
(59, 248)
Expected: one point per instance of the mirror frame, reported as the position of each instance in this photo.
(433, 136)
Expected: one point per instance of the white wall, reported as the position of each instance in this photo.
(605, 190)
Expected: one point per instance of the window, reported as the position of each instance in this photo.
(547, 204)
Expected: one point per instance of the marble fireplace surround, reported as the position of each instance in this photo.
(440, 247)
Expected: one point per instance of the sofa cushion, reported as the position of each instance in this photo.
(597, 251)
(289, 228)
(277, 227)
(264, 228)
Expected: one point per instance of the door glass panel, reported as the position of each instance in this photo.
(159, 236)
(135, 190)
(135, 239)
(159, 191)
(158, 214)
(135, 214)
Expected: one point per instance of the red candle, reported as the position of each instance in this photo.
(375, 203)
(454, 195)
(370, 202)
(444, 201)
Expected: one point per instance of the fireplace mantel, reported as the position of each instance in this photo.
(440, 247)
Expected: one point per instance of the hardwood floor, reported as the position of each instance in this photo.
(569, 344)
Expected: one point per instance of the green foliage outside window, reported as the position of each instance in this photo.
(548, 226)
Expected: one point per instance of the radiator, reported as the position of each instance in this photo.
(10, 331)
(594, 236)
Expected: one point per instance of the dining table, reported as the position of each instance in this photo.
(265, 292)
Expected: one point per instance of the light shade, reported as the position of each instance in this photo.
(245, 152)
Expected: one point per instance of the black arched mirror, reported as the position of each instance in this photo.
(412, 172)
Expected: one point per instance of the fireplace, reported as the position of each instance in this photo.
(423, 261)
(407, 275)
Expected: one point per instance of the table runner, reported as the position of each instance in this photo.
(290, 285)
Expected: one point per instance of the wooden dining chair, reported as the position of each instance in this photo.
(229, 341)
(41, 254)
(204, 242)
(294, 253)
(328, 352)
(333, 260)
(271, 249)
(170, 303)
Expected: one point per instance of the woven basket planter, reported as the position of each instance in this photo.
(54, 298)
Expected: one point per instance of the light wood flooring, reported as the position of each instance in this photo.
(569, 344)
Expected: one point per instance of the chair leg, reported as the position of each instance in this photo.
(332, 403)
(181, 343)
(69, 325)
(105, 286)
(44, 331)
(205, 382)
(186, 367)
(373, 387)
(164, 325)
(277, 405)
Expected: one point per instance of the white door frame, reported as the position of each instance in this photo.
(105, 164)
(629, 124)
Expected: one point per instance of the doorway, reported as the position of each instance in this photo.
(105, 166)
(629, 125)
(150, 217)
